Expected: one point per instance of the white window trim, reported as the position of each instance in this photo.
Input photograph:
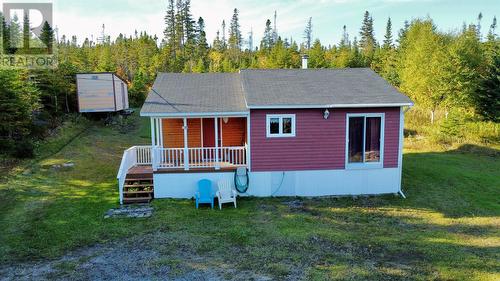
(280, 117)
(366, 165)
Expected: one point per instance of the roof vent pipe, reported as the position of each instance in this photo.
(305, 59)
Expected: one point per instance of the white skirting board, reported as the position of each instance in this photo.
(290, 183)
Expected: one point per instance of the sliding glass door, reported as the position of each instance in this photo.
(364, 139)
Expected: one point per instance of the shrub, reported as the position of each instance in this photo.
(24, 149)
(6, 145)
(458, 128)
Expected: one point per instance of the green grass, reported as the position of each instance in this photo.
(447, 229)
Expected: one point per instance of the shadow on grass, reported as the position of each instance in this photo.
(331, 237)
(460, 183)
(446, 229)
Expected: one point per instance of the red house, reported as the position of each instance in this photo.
(299, 132)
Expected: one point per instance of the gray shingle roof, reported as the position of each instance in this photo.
(174, 93)
(311, 87)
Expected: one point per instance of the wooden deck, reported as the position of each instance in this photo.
(139, 172)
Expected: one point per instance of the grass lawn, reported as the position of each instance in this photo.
(447, 229)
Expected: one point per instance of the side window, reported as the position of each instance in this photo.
(280, 125)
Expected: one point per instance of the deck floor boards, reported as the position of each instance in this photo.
(138, 172)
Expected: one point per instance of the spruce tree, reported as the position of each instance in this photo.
(179, 26)
(355, 59)
(169, 32)
(4, 35)
(492, 31)
(235, 37)
(488, 97)
(189, 23)
(15, 34)
(478, 26)
(26, 33)
(308, 34)
(47, 36)
(217, 44)
(201, 42)
(367, 42)
(345, 43)
(388, 41)
(202, 36)
(402, 33)
(266, 43)
(224, 39)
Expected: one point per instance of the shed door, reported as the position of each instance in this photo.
(123, 96)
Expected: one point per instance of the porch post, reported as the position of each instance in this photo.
(161, 132)
(158, 132)
(186, 150)
(153, 144)
(217, 164)
(153, 137)
(248, 155)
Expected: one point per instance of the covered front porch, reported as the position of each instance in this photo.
(188, 145)
(194, 143)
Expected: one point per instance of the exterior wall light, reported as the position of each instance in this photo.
(326, 114)
(225, 119)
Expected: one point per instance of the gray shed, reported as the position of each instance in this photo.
(101, 92)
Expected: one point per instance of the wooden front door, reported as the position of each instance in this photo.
(209, 133)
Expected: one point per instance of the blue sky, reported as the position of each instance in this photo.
(84, 18)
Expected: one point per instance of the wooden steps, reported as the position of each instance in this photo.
(139, 185)
(139, 192)
(132, 200)
(138, 189)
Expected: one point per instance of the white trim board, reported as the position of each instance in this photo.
(247, 113)
(320, 106)
(197, 115)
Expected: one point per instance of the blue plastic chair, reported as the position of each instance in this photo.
(204, 194)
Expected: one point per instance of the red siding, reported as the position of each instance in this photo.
(319, 144)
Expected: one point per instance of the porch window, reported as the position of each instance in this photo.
(280, 126)
(365, 140)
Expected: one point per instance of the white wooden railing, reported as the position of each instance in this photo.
(180, 158)
(143, 155)
(199, 157)
(168, 158)
(136, 155)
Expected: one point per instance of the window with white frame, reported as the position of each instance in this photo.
(280, 125)
(365, 140)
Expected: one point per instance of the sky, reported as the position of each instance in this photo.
(85, 18)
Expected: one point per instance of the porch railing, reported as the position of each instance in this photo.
(176, 158)
(136, 155)
(199, 157)
(143, 155)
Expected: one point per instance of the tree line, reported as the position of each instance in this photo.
(438, 70)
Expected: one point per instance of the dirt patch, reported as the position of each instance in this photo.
(130, 211)
(146, 257)
(298, 206)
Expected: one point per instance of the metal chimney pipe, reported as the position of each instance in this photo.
(305, 59)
